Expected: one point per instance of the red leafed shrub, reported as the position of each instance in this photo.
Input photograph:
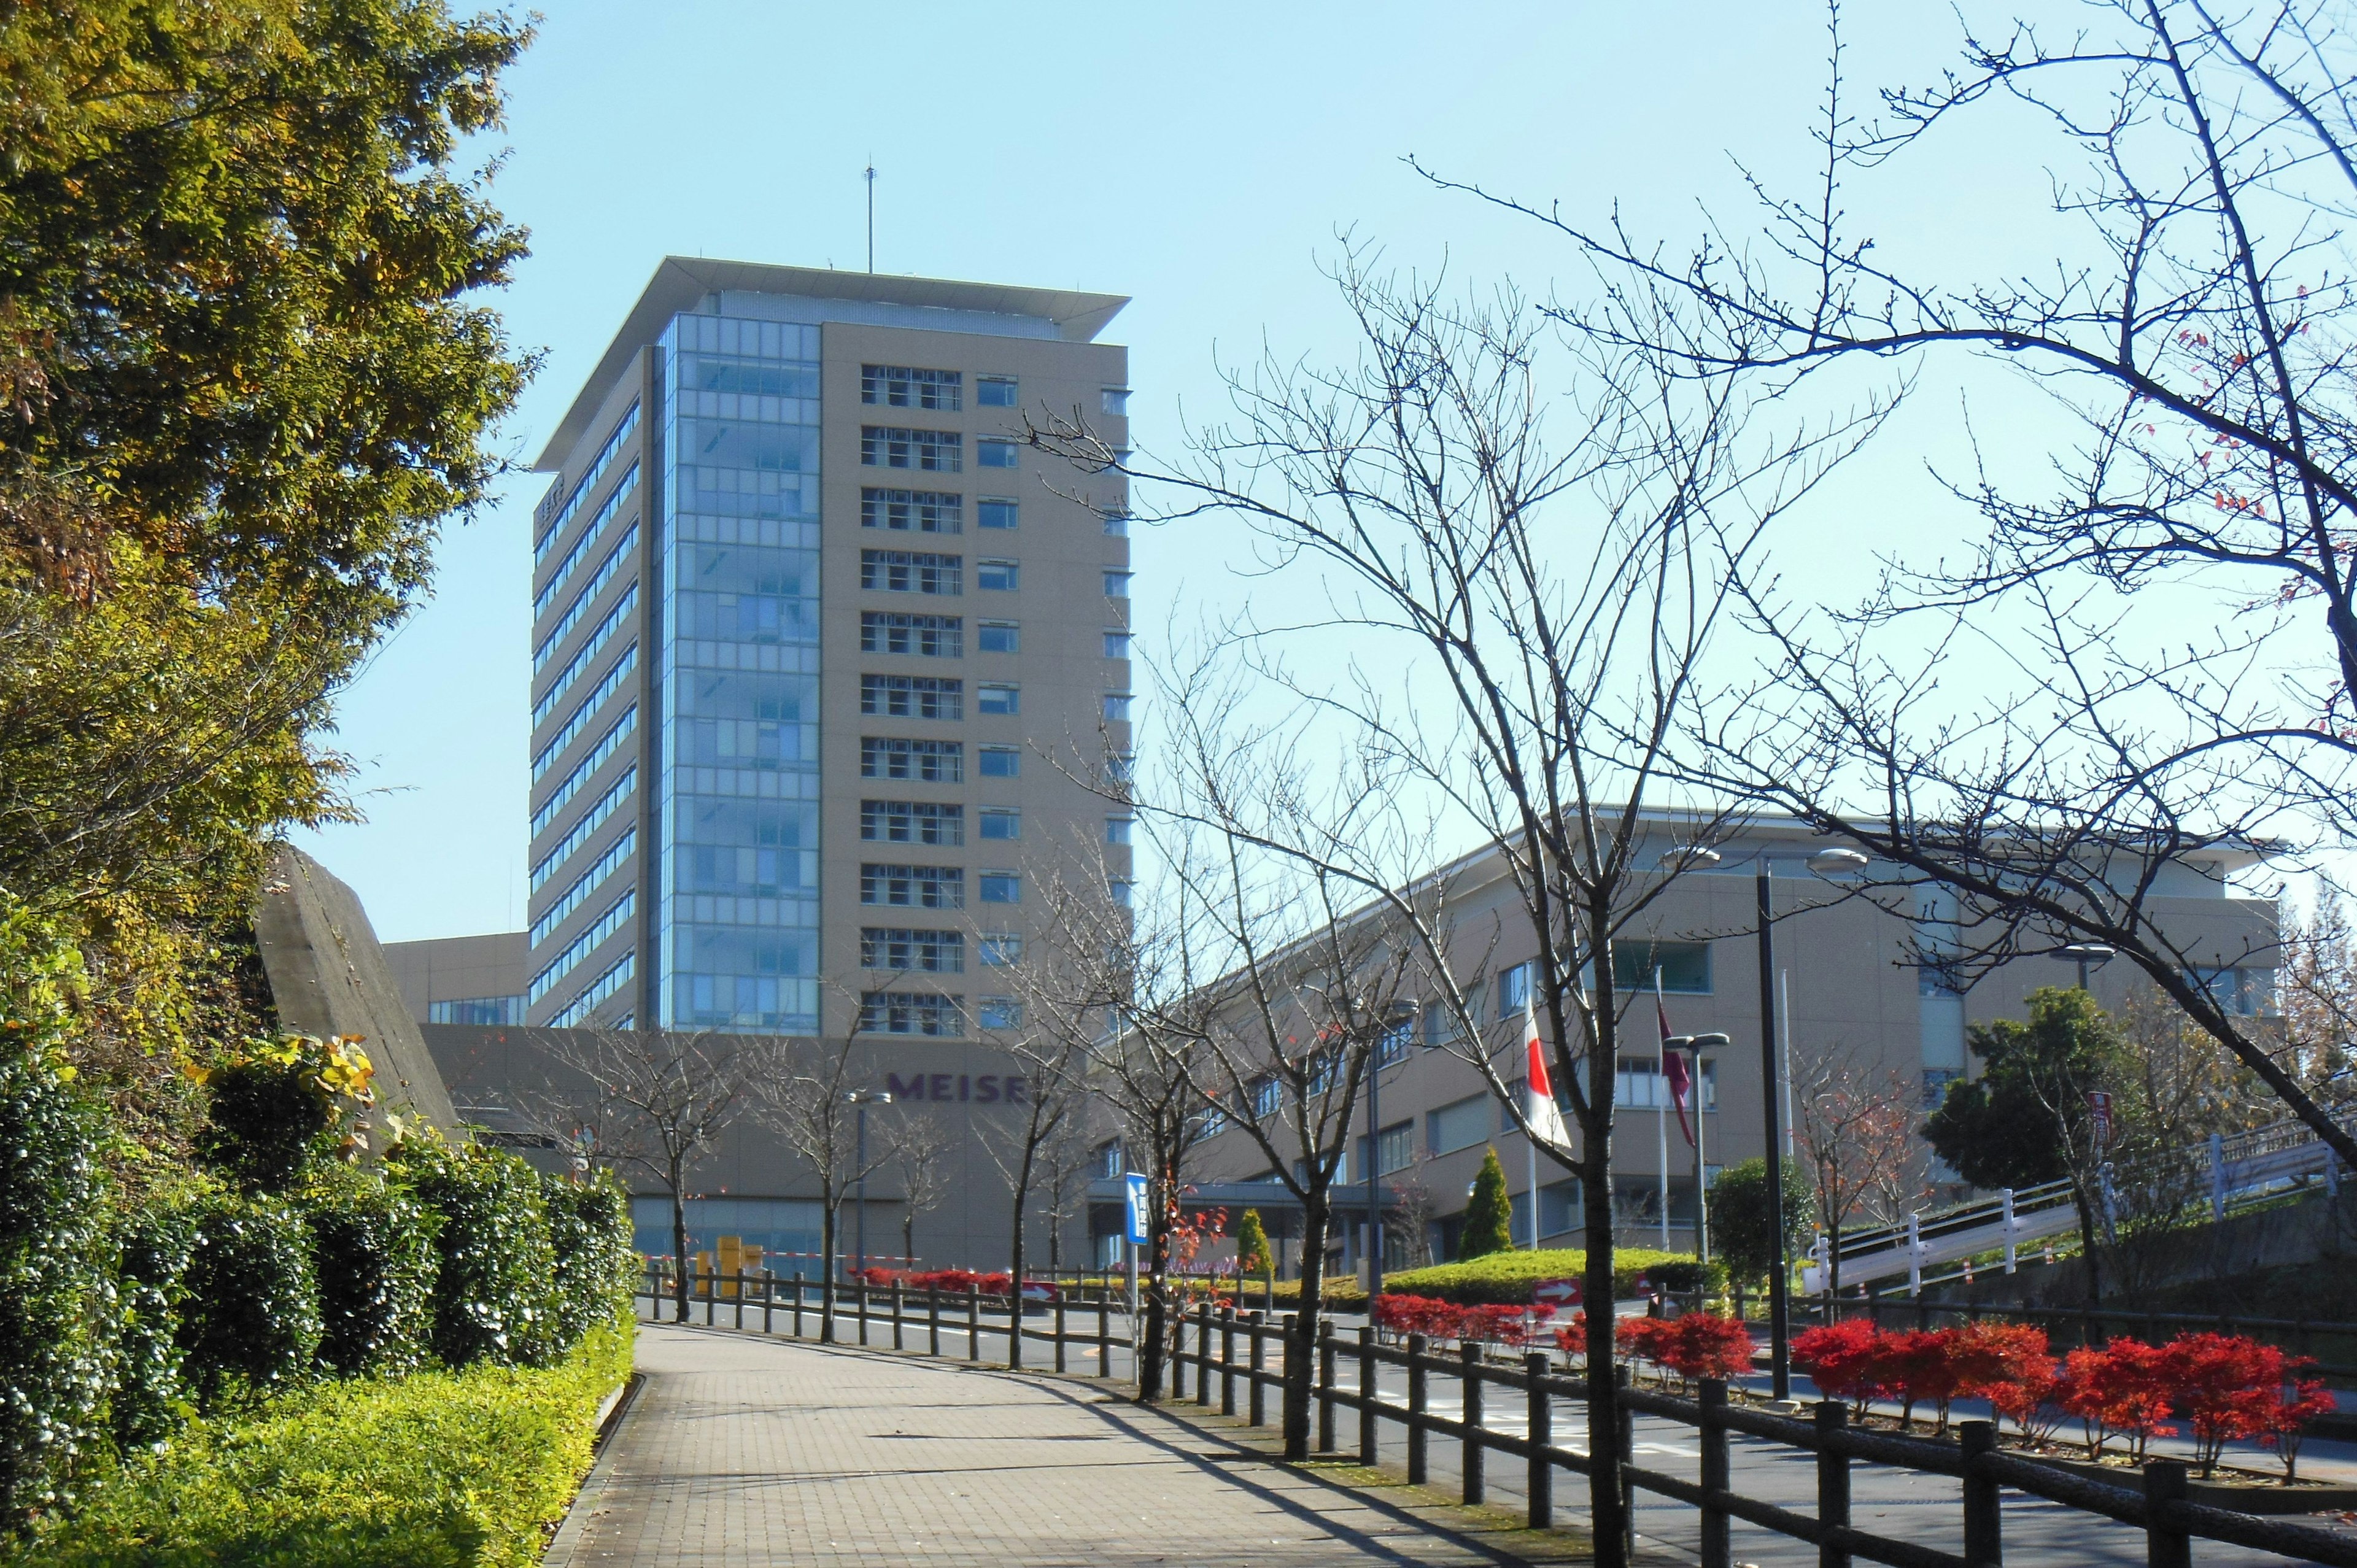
(2121, 1388)
(1641, 1338)
(1405, 1315)
(1572, 1338)
(1918, 1366)
(2231, 1387)
(1702, 1346)
(957, 1281)
(1840, 1359)
(2011, 1366)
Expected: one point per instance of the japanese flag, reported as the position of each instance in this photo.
(1545, 1115)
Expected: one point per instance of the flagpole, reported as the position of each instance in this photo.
(1661, 1110)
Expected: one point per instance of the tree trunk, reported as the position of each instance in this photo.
(826, 1228)
(1152, 1343)
(1014, 1260)
(2087, 1240)
(1300, 1373)
(908, 1236)
(1605, 1512)
(680, 1252)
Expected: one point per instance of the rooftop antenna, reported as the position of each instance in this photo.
(871, 217)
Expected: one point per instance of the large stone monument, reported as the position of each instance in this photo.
(328, 976)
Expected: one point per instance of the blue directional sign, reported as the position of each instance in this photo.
(1135, 1208)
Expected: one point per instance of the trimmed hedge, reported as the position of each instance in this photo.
(266, 1119)
(373, 1247)
(495, 1260)
(589, 1231)
(437, 1469)
(250, 1322)
(57, 1288)
(1506, 1278)
(151, 1398)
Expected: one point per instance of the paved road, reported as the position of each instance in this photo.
(1912, 1507)
(740, 1450)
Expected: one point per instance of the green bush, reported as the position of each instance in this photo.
(250, 1322)
(437, 1471)
(267, 1119)
(589, 1229)
(372, 1250)
(1507, 1277)
(1489, 1213)
(495, 1260)
(1687, 1275)
(57, 1291)
(151, 1395)
(1738, 1216)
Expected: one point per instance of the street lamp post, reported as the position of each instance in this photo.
(1374, 1196)
(2090, 955)
(863, 1098)
(1780, 1305)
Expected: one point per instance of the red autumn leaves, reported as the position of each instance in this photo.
(2225, 1386)
(957, 1280)
(1698, 1344)
(1422, 1315)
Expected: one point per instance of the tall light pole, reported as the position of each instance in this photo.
(863, 1098)
(1374, 1196)
(1779, 1305)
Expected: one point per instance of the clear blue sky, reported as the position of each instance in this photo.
(1199, 159)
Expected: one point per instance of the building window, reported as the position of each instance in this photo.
(997, 513)
(490, 1010)
(1123, 892)
(1683, 967)
(994, 391)
(1121, 830)
(1394, 1149)
(1000, 1013)
(999, 823)
(989, 452)
(1001, 637)
(2238, 992)
(1116, 707)
(1935, 1085)
(1114, 401)
(911, 572)
(1116, 584)
(1121, 766)
(911, 697)
(891, 446)
(910, 1013)
(929, 637)
(1001, 762)
(913, 887)
(1399, 1032)
(1458, 1125)
(1001, 888)
(930, 952)
(1000, 949)
(911, 821)
(912, 512)
(931, 761)
(1116, 521)
(1001, 576)
(1514, 988)
(1116, 645)
(997, 699)
(898, 386)
(1267, 1097)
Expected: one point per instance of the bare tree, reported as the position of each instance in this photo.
(1856, 1138)
(923, 1149)
(1064, 1169)
(1525, 623)
(2168, 596)
(1051, 1099)
(808, 1102)
(1105, 983)
(652, 1100)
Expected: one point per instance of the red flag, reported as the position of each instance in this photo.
(1544, 1115)
(1674, 1070)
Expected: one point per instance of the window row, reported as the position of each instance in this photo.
(896, 447)
(899, 386)
(911, 821)
(897, 631)
(926, 1012)
(932, 511)
(929, 761)
(911, 572)
(926, 953)
(911, 697)
(933, 761)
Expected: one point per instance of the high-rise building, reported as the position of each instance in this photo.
(808, 624)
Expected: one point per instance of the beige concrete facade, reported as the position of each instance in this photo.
(444, 977)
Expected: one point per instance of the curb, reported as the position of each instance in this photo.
(564, 1546)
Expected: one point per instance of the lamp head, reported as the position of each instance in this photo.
(1687, 856)
(1826, 862)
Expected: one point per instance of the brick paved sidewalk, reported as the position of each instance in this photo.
(745, 1450)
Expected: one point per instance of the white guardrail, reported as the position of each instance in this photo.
(2243, 1169)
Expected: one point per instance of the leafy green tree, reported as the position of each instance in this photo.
(1739, 1226)
(1252, 1255)
(2025, 1119)
(1489, 1213)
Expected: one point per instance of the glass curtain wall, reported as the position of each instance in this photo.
(737, 939)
